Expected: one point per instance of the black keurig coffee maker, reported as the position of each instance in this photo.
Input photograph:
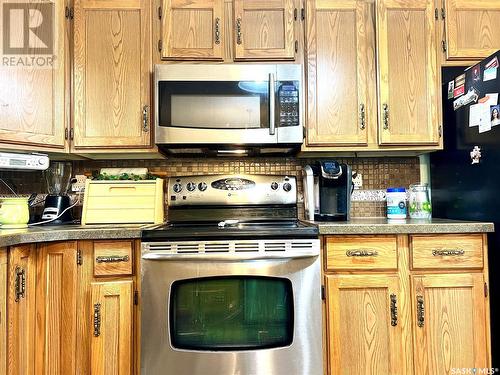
(58, 178)
(327, 191)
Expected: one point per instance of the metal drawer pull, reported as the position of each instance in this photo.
(444, 253)
(361, 253)
(385, 116)
(145, 118)
(97, 319)
(362, 116)
(112, 259)
(238, 31)
(217, 30)
(20, 283)
(420, 311)
(394, 310)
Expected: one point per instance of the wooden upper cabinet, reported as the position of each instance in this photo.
(111, 345)
(365, 334)
(449, 323)
(193, 29)
(472, 30)
(264, 30)
(341, 72)
(33, 105)
(22, 310)
(112, 66)
(408, 73)
(56, 308)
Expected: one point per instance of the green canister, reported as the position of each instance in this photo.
(14, 212)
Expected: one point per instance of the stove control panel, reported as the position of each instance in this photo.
(231, 190)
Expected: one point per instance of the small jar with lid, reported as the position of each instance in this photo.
(396, 203)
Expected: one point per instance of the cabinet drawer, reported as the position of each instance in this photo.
(113, 258)
(361, 253)
(446, 251)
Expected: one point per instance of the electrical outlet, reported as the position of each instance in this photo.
(358, 181)
(79, 185)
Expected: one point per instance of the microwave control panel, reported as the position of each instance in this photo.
(288, 99)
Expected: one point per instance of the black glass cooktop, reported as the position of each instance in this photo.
(229, 229)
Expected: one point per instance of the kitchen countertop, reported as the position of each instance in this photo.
(384, 226)
(10, 237)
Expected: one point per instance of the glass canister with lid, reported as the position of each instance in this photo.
(420, 202)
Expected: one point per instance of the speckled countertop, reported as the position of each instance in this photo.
(384, 226)
(9, 237)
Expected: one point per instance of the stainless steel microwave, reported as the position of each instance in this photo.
(229, 108)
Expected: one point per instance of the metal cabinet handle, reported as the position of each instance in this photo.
(362, 116)
(97, 319)
(112, 259)
(450, 252)
(394, 310)
(20, 283)
(420, 311)
(145, 118)
(217, 30)
(361, 253)
(238, 31)
(385, 116)
(272, 104)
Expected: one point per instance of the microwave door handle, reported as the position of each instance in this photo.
(272, 104)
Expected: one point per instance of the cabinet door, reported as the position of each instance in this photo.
(264, 30)
(340, 72)
(33, 75)
(112, 65)
(56, 308)
(408, 72)
(3, 310)
(449, 323)
(22, 310)
(111, 346)
(193, 30)
(472, 30)
(365, 335)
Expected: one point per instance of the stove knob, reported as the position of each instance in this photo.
(191, 186)
(177, 188)
(287, 186)
(275, 186)
(202, 186)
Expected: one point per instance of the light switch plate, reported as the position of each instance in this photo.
(79, 184)
(358, 181)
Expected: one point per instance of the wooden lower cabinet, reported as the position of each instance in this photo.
(111, 343)
(3, 310)
(364, 334)
(450, 326)
(21, 307)
(410, 320)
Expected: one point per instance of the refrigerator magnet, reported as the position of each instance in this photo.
(495, 115)
(493, 63)
(476, 73)
(451, 87)
(460, 80)
(458, 91)
(490, 74)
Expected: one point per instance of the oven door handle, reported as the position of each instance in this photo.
(272, 104)
(230, 257)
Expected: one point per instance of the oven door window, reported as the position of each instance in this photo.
(231, 313)
(214, 104)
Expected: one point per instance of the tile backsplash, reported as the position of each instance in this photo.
(378, 174)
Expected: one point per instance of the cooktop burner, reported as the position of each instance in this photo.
(231, 229)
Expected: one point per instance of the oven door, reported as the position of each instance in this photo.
(215, 104)
(227, 314)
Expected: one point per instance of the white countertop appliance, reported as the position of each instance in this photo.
(231, 285)
(228, 109)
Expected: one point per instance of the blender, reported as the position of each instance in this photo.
(58, 179)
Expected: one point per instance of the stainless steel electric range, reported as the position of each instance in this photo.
(231, 285)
